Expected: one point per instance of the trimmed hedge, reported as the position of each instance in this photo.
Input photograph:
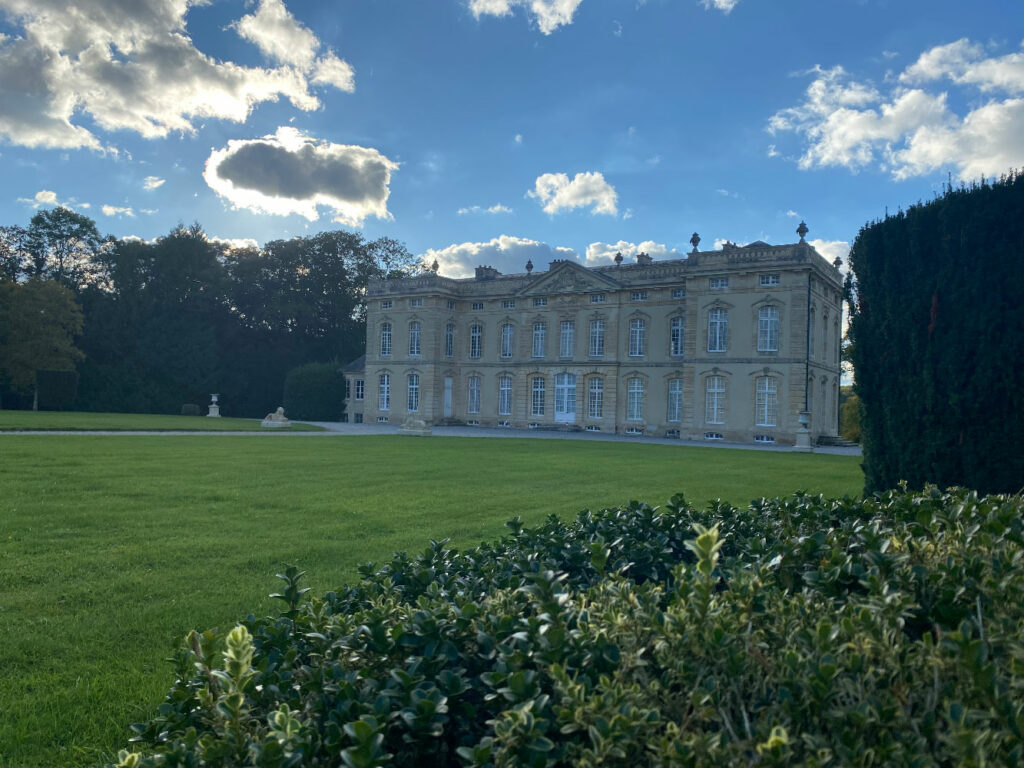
(804, 630)
(315, 392)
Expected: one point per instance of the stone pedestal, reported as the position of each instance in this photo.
(276, 420)
(214, 412)
(803, 434)
(416, 427)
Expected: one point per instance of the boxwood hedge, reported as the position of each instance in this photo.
(797, 631)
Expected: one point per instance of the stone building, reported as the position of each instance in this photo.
(730, 344)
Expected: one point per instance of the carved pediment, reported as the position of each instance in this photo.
(569, 277)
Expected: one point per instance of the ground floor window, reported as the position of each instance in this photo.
(474, 395)
(635, 400)
(384, 392)
(505, 395)
(675, 400)
(714, 400)
(537, 400)
(414, 392)
(595, 399)
(766, 404)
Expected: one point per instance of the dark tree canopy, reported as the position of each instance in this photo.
(938, 341)
(62, 246)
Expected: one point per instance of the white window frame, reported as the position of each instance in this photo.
(540, 301)
(476, 340)
(766, 402)
(504, 395)
(637, 336)
(451, 303)
(415, 303)
(635, 399)
(597, 338)
(508, 303)
(360, 389)
(718, 329)
(677, 336)
(769, 280)
(597, 298)
(718, 283)
(595, 399)
(567, 338)
(386, 304)
(675, 401)
(540, 331)
(638, 295)
(413, 399)
(507, 339)
(714, 400)
(385, 339)
(768, 329)
(449, 340)
(478, 305)
(384, 392)
(537, 396)
(678, 293)
(565, 394)
(473, 395)
(415, 333)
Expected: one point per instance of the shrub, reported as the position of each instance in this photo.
(191, 409)
(315, 392)
(799, 631)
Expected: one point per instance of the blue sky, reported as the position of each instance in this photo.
(493, 131)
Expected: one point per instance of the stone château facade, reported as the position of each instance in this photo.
(729, 344)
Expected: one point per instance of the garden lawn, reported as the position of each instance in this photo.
(112, 547)
(143, 422)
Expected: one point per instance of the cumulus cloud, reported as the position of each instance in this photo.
(549, 15)
(721, 5)
(133, 66)
(557, 193)
(116, 210)
(290, 172)
(911, 130)
(152, 182)
(234, 243)
(496, 208)
(505, 253)
(603, 254)
(41, 198)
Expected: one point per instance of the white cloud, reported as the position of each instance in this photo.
(616, 27)
(496, 208)
(278, 35)
(290, 172)
(911, 131)
(772, 151)
(556, 193)
(792, 214)
(115, 210)
(152, 182)
(722, 5)
(133, 66)
(506, 253)
(41, 198)
(330, 70)
(832, 249)
(603, 254)
(234, 243)
(519, 138)
(548, 14)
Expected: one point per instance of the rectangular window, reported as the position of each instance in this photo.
(539, 333)
(508, 303)
(767, 281)
(768, 329)
(637, 333)
(595, 399)
(414, 303)
(718, 329)
(449, 340)
(385, 339)
(384, 393)
(414, 339)
(348, 389)
(766, 406)
(678, 293)
(638, 296)
(597, 298)
(677, 336)
(413, 404)
(474, 395)
(537, 399)
(451, 303)
(476, 337)
(714, 400)
(567, 339)
(386, 304)
(507, 339)
(360, 389)
(597, 338)
(718, 283)
(359, 418)
(635, 400)
(540, 301)
(505, 396)
(675, 400)
(478, 305)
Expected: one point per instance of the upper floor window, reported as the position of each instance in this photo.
(677, 336)
(385, 339)
(597, 338)
(384, 392)
(415, 303)
(449, 340)
(507, 338)
(766, 403)
(348, 388)
(537, 397)
(451, 303)
(414, 338)
(637, 334)
(474, 395)
(476, 337)
(767, 281)
(718, 330)
(678, 293)
(635, 400)
(508, 303)
(567, 339)
(539, 333)
(718, 283)
(595, 399)
(504, 395)
(714, 400)
(768, 329)
(824, 338)
(413, 403)
(638, 295)
(597, 298)
(478, 305)
(360, 389)
(386, 304)
(675, 400)
(540, 301)
(810, 334)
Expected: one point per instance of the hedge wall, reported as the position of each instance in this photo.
(938, 341)
(800, 631)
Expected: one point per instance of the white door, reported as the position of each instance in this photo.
(447, 397)
(565, 398)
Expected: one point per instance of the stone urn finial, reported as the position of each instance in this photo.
(802, 230)
(435, 266)
(618, 258)
(529, 266)
(695, 241)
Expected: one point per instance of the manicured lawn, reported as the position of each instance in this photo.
(112, 547)
(149, 422)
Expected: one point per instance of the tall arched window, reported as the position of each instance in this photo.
(507, 338)
(384, 392)
(504, 395)
(637, 336)
(766, 402)
(476, 339)
(414, 338)
(768, 329)
(474, 395)
(714, 400)
(385, 339)
(540, 330)
(635, 399)
(675, 400)
(413, 403)
(449, 340)
(537, 396)
(677, 336)
(718, 329)
(595, 399)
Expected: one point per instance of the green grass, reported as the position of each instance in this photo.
(148, 422)
(112, 547)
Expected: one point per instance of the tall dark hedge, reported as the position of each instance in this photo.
(315, 392)
(937, 335)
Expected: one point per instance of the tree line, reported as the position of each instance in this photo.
(147, 327)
